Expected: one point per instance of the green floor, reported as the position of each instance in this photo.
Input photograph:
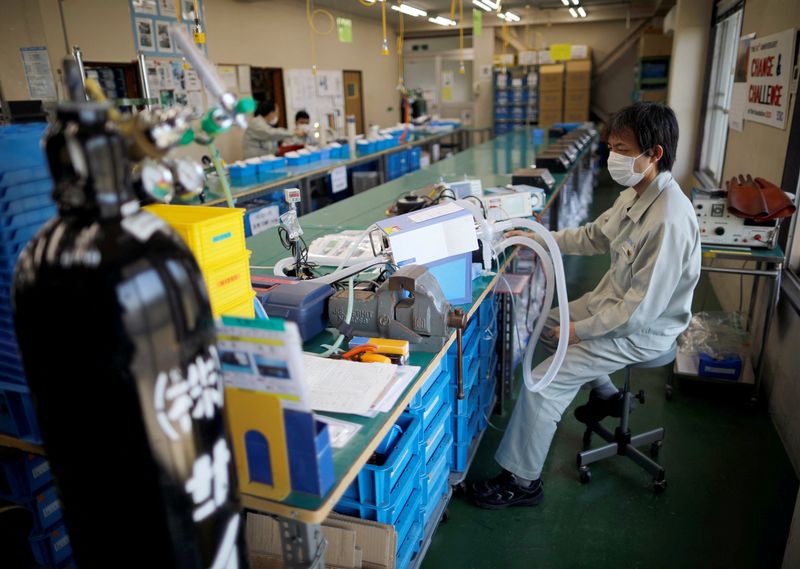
(729, 502)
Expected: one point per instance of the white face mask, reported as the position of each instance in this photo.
(272, 122)
(621, 169)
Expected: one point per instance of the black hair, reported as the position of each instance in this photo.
(652, 124)
(301, 115)
(264, 108)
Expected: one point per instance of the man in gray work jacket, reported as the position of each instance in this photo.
(633, 315)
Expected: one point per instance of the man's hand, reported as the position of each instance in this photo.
(518, 233)
(573, 337)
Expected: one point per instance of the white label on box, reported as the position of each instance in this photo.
(579, 51)
(339, 179)
(544, 56)
(264, 219)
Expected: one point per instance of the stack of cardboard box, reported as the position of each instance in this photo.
(551, 93)
(577, 88)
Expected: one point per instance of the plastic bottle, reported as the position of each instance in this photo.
(117, 339)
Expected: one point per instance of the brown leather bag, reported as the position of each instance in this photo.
(759, 199)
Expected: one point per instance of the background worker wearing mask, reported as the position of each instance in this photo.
(302, 125)
(262, 136)
(635, 312)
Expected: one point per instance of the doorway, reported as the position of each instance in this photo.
(267, 84)
(353, 98)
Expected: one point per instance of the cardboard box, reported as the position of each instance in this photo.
(504, 59)
(654, 95)
(655, 44)
(551, 100)
(548, 117)
(577, 99)
(578, 75)
(580, 51)
(528, 58)
(352, 543)
(576, 115)
(551, 77)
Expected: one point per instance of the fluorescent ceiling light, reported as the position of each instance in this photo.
(482, 5)
(509, 17)
(565, 2)
(571, 11)
(409, 9)
(575, 2)
(442, 21)
(581, 11)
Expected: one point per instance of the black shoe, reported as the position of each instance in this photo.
(509, 494)
(490, 485)
(597, 409)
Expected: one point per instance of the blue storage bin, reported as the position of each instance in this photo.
(378, 486)
(415, 156)
(419, 398)
(436, 431)
(22, 475)
(21, 146)
(386, 514)
(17, 415)
(325, 154)
(463, 424)
(275, 162)
(52, 549)
(409, 547)
(46, 509)
(362, 147)
(314, 156)
(436, 495)
(13, 191)
(435, 398)
(437, 468)
(410, 514)
(460, 455)
(293, 159)
(344, 152)
(22, 219)
(23, 176)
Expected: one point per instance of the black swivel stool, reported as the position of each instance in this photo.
(621, 441)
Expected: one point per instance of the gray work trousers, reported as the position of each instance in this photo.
(530, 431)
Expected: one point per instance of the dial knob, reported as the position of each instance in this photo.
(720, 231)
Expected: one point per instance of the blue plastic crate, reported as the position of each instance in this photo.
(460, 455)
(19, 176)
(386, 514)
(46, 509)
(410, 514)
(15, 187)
(21, 146)
(17, 415)
(462, 425)
(21, 475)
(436, 431)
(438, 468)
(463, 406)
(21, 219)
(434, 500)
(52, 549)
(378, 486)
(409, 547)
(437, 397)
(415, 156)
(422, 397)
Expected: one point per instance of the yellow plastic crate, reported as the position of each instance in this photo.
(228, 283)
(214, 234)
(243, 308)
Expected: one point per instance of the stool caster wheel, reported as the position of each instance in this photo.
(668, 393)
(585, 474)
(659, 486)
(655, 448)
(587, 439)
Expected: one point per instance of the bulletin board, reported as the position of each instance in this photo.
(320, 95)
(150, 20)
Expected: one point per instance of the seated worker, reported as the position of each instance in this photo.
(301, 125)
(634, 314)
(262, 136)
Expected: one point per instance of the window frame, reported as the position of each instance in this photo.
(722, 11)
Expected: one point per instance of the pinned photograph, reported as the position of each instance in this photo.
(164, 37)
(144, 6)
(145, 34)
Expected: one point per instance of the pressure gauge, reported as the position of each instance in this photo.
(157, 181)
(189, 176)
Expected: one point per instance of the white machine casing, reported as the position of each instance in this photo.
(720, 227)
(507, 204)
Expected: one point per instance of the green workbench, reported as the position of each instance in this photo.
(493, 163)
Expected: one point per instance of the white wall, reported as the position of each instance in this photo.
(266, 33)
(686, 81)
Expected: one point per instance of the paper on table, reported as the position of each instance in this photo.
(341, 386)
(340, 432)
(403, 376)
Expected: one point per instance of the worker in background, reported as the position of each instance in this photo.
(634, 314)
(302, 125)
(262, 135)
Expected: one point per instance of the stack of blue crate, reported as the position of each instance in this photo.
(387, 490)
(465, 412)
(26, 480)
(25, 205)
(413, 157)
(431, 406)
(487, 342)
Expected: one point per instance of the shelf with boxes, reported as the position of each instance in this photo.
(565, 91)
(516, 98)
(651, 74)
